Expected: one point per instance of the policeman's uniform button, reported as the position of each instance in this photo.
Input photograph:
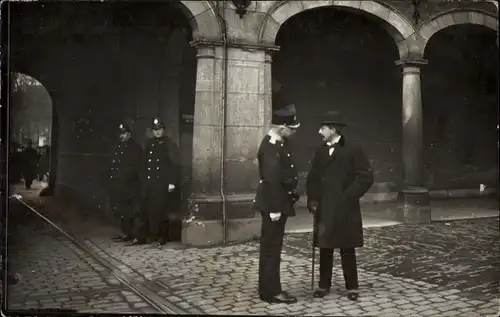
(150, 160)
(157, 176)
(291, 165)
(149, 177)
(150, 152)
(260, 182)
(111, 177)
(158, 168)
(149, 168)
(288, 154)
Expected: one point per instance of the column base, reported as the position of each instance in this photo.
(414, 206)
(206, 233)
(207, 229)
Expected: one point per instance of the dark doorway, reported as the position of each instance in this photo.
(336, 60)
(460, 107)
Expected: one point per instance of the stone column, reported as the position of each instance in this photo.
(235, 141)
(414, 197)
(204, 202)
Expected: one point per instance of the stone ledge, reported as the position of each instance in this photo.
(210, 232)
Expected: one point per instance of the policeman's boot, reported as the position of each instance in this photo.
(118, 237)
(135, 241)
(353, 294)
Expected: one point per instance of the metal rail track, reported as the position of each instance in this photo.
(146, 293)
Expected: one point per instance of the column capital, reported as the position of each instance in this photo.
(233, 44)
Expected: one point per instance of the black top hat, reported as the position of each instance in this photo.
(333, 118)
(157, 124)
(124, 128)
(286, 116)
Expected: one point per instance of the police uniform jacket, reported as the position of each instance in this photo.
(159, 166)
(278, 177)
(125, 164)
(337, 182)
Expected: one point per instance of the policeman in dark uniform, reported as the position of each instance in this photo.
(124, 181)
(159, 178)
(275, 199)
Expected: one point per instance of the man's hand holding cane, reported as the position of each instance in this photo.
(313, 208)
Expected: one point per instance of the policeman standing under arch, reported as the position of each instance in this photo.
(124, 186)
(275, 199)
(159, 175)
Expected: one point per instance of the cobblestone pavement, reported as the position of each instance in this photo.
(440, 269)
(56, 274)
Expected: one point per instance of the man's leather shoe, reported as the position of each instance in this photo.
(135, 242)
(282, 298)
(353, 295)
(321, 292)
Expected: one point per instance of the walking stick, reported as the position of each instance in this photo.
(313, 249)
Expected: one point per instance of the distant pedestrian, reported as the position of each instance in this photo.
(159, 175)
(15, 163)
(43, 163)
(29, 162)
(275, 200)
(124, 186)
(340, 175)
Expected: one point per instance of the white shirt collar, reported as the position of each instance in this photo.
(334, 141)
(274, 137)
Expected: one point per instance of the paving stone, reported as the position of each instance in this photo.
(435, 249)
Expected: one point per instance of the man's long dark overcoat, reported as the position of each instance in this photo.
(337, 183)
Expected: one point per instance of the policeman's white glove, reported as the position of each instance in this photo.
(171, 187)
(275, 216)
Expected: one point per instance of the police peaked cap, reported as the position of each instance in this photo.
(157, 123)
(333, 118)
(286, 116)
(124, 128)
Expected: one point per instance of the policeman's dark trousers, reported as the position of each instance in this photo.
(149, 223)
(271, 243)
(123, 208)
(349, 267)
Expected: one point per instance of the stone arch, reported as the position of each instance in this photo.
(396, 24)
(203, 19)
(454, 17)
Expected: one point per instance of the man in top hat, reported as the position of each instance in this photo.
(340, 175)
(275, 199)
(159, 178)
(124, 181)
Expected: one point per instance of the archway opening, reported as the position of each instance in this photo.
(108, 63)
(30, 128)
(332, 59)
(460, 108)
